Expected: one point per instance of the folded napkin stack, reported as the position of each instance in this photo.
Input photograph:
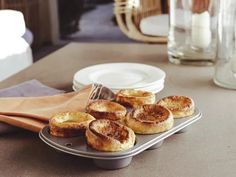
(30, 110)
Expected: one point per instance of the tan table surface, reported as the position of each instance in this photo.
(208, 149)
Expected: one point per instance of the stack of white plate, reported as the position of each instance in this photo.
(118, 76)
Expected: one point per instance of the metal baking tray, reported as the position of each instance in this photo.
(115, 160)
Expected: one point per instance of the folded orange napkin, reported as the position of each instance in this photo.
(33, 113)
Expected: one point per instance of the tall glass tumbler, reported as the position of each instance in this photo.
(225, 68)
(193, 31)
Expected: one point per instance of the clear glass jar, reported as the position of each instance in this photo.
(193, 31)
(225, 68)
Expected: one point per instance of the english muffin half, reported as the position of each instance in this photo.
(180, 106)
(150, 119)
(106, 135)
(69, 124)
(104, 109)
(134, 98)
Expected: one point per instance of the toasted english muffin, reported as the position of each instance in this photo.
(104, 109)
(134, 98)
(106, 135)
(180, 106)
(69, 124)
(150, 119)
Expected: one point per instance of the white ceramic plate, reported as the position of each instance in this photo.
(152, 89)
(121, 75)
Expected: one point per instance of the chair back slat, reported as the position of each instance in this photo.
(129, 14)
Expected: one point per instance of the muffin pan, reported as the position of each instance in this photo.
(115, 160)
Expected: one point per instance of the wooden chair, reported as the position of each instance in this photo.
(129, 13)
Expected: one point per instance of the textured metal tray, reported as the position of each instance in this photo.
(115, 160)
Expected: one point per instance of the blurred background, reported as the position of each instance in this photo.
(53, 23)
(38, 27)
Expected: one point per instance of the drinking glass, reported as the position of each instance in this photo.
(193, 31)
(225, 68)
